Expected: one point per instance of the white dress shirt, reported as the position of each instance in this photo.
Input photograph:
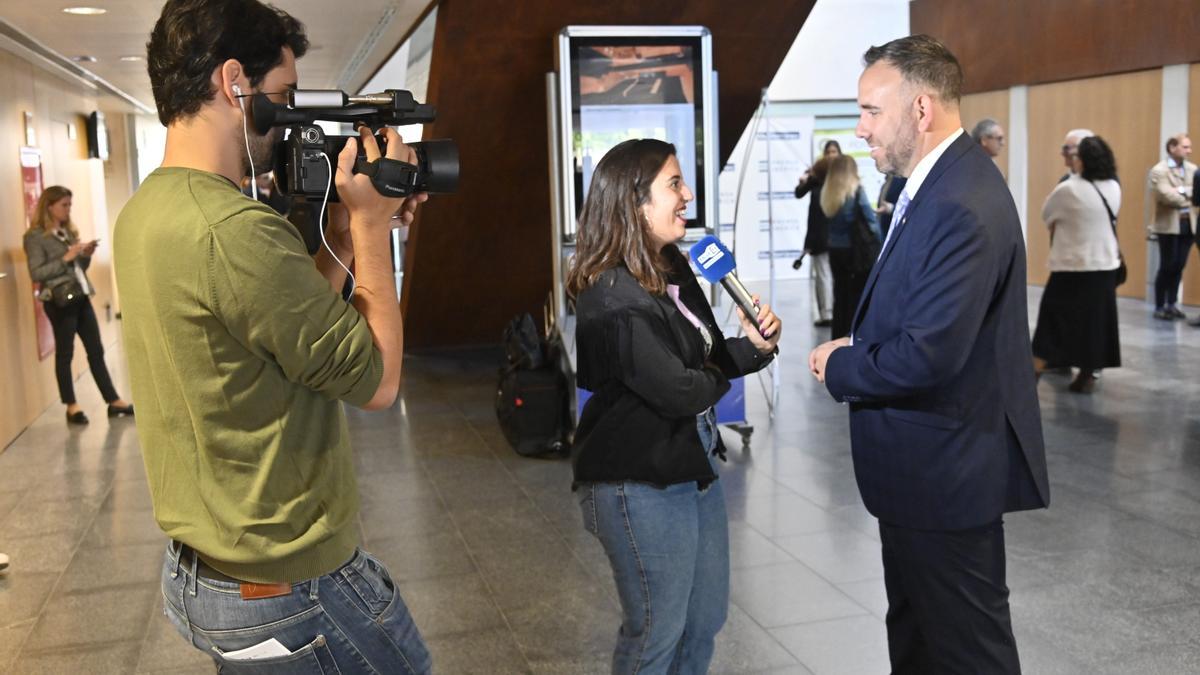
(919, 173)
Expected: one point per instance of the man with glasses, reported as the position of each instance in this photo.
(990, 136)
(1169, 187)
(242, 351)
(1070, 148)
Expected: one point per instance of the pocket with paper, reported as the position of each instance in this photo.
(264, 650)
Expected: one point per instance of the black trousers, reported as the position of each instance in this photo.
(947, 601)
(78, 319)
(847, 291)
(1173, 250)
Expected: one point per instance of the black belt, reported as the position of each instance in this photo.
(203, 569)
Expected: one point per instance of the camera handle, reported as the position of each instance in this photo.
(391, 177)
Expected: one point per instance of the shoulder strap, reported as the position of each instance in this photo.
(1112, 218)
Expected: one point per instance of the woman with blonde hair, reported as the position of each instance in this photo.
(58, 260)
(656, 362)
(853, 238)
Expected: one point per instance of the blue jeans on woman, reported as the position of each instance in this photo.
(351, 620)
(669, 551)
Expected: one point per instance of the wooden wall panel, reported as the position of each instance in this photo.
(29, 386)
(1002, 43)
(1191, 278)
(1124, 110)
(993, 104)
(477, 258)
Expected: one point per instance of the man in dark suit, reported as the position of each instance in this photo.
(944, 422)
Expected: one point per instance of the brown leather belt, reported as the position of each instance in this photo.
(250, 590)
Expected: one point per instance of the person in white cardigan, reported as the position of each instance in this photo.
(1077, 319)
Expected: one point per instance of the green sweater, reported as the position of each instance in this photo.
(239, 352)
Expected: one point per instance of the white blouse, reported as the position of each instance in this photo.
(1083, 238)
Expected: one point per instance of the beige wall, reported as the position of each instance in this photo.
(29, 386)
(1125, 111)
(993, 104)
(1191, 274)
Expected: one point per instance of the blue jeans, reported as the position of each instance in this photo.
(669, 551)
(351, 620)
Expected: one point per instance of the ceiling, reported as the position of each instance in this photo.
(349, 40)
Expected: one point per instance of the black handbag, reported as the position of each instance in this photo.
(864, 245)
(67, 293)
(1122, 271)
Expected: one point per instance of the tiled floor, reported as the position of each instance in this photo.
(493, 561)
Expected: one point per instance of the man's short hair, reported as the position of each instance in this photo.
(922, 60)
(194, 37)
(1175, 140)
(984, 129)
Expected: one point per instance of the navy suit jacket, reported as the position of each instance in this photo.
(945, 427)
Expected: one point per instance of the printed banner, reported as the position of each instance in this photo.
(768, 198)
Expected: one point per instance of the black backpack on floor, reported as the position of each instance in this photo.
(531, 398)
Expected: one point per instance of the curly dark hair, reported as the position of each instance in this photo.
(194, 37)
(1097, 159)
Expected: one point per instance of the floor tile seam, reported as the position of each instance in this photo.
(478, 569)
(58, 582)
(833, 584)
(75, 648)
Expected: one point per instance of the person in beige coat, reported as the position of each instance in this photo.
(1171, 217)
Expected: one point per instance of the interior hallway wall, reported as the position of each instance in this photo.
(1191, 277)
(1124, 110)
(476, 258)
(993, 104)
(29, 385)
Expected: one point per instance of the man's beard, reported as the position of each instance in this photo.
(262, 151)
(899, 153)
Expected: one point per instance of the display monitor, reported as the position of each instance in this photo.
(625, 83)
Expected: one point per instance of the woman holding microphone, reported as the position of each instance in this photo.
(651, 353)
(58, 260)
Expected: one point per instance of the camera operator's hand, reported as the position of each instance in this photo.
(337, 230)
(357, 192)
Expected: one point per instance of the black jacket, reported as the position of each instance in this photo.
(645, 364)
(816, 239)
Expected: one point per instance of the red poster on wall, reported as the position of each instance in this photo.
(31, 187)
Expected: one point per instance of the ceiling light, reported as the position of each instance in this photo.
(85, 11)
(84, 58)
(131, 58)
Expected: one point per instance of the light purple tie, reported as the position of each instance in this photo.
(897, 219)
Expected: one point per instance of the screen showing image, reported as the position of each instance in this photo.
(635, 91)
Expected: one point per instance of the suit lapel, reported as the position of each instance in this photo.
(956, 150)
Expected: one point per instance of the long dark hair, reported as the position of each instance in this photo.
(1097, 159)
(612, 227)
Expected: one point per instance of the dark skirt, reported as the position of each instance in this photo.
(1077, 321)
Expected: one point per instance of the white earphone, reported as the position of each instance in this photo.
(246, 134)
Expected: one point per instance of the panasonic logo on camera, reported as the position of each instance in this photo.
(711, 255)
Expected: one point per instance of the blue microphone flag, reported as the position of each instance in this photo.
(711, 257)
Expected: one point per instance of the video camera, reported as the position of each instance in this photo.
(301, 170)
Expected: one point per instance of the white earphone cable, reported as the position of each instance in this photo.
(321, 228)
(246, 135)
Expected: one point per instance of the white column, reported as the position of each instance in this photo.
(1018, 151)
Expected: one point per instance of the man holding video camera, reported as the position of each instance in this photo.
(241, 350)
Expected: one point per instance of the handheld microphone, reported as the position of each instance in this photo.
(715, 263)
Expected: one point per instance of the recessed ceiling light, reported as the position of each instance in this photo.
(85, 11)
(84, 58)
(131, 57)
